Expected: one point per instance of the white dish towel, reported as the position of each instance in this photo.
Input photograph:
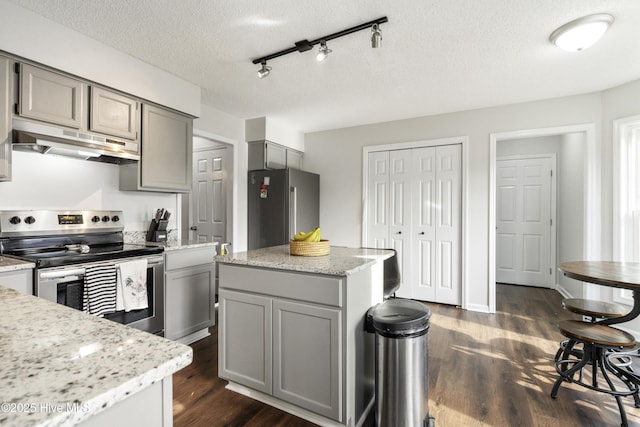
(131, 289)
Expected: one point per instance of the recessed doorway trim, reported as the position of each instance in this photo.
(592, 193)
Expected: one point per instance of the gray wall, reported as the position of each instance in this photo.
(337, 156)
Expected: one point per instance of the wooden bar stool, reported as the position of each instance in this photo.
(592, 309)
(597, 341)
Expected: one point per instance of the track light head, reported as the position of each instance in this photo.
(264, 71)
(376, 36)
(323, 52)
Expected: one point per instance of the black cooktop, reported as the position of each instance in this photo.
(48, 252)
(55, 257)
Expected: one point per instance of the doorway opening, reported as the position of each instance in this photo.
(578, 227)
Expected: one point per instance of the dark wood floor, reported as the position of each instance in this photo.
(484, 370)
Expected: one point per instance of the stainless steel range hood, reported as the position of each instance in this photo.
(48, 139)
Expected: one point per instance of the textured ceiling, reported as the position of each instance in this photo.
(437, 56)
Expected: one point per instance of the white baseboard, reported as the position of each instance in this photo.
(478, 307)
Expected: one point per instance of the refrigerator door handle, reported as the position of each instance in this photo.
(293, 211)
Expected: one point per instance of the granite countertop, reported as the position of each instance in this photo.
(12, 264)
(52, 355)
(174, 245)
(341, 261)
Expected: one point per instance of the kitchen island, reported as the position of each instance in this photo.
(61, 367)
(291, 330)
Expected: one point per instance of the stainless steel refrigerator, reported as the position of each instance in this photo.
(281, 203)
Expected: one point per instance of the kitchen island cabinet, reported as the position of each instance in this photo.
(62, 367)
(291, 330)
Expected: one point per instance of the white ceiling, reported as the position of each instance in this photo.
(437, 56)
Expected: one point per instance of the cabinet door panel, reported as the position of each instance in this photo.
(190, 301)
(244, 348)
(113, 114)
(5, 117)
(50, 97)
(307, 369)
(276, 156)
(294, 159)
(166, 149)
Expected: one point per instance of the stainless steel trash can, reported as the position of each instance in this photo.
(401, 377)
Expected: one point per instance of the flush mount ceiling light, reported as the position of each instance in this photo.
(581, 33)
(323, 52)
(264, 71)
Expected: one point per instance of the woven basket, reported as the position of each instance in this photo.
(309, 248)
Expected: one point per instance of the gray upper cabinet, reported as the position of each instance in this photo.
(113, 114)
(294, 159)
(5, 128)
(269, 155)
(166, 153)
(50, 97)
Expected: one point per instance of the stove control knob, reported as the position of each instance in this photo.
(15, 220)
(29, 220)
(105, 218)
(95, 218)
(115, 218)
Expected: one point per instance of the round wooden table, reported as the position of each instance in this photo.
(624, 275)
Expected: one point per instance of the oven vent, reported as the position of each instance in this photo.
(45, 139)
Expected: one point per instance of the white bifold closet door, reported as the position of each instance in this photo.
(414, 206)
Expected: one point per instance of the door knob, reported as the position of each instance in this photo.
(422, 232)
(398, 232)
(193, 227)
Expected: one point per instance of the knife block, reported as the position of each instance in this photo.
(157, 231)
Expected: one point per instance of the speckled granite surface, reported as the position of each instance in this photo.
(340, 261)
(54, 355)
(12, 264)
(182, 244)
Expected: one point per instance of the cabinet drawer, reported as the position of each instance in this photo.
(188, 257)
(314, 288)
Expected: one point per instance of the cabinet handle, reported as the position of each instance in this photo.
(422, 232)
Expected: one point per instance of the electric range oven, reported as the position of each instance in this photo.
(63, 244)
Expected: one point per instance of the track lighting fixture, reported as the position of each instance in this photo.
(581, 33)
(323, 51)
(376, 36)
(264, 71)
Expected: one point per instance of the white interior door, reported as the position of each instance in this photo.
(448, 219)
(524, 219)
(423, 231)
(378, 200)
(400, 181)
(210, 194)
(414, 205)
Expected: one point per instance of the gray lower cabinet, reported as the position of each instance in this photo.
(50, 97)
(5, 116)
(245, 345)
(189, 292)
(113, 114)
(20, 280)
(285, 340)
(166, 153)
(307, 338)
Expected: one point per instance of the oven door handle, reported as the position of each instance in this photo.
(58, 274)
